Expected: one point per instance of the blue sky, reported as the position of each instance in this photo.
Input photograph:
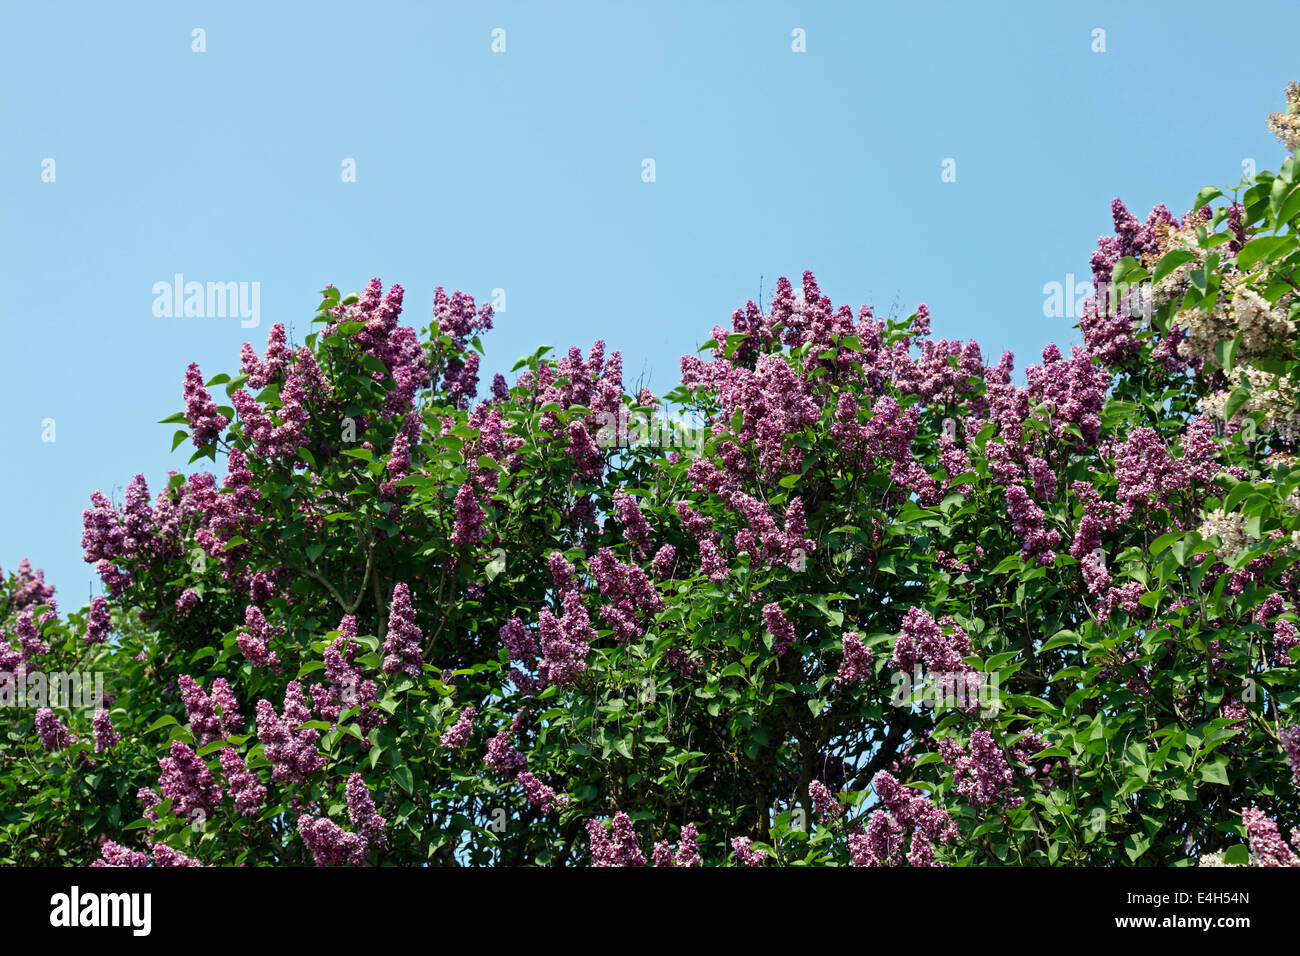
(522, 171)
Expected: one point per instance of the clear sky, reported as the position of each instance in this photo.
(522, 171)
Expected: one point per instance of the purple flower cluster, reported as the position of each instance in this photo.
(331, 845)
(982, 776)
(102, 729)
(1290, 739)
(186, 603)
(244, 786)
(98, 621)
(682, 661)
(502, 757)
(688, 849)
(856, 665)
(763, 539)
(30, 636)
(1285, 637)
(290, 747)
(633, 521)
(278, 356)
(922, 640)
(540, 795)
(1029, 522)
(661, 565)
(206, 723)
(54, 736)
(617, 847)
(115, 855)
(904, 810)
(200, 410)
(587, 462)
(746, 853)
(782, 630)
(29, 587)
(361, 810)
(188, 782)
(470, 525)
(348, 685)
(458, 734)
(402, 643)
(565, 641)
(256, 637)
(519, 643)
(825, 804)
(629, 591)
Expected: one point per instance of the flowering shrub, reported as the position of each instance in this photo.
(893, 609)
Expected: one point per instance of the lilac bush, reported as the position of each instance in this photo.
(892, 609)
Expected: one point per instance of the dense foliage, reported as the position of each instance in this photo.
(883, 606)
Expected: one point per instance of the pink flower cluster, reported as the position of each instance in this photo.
(1266, 842)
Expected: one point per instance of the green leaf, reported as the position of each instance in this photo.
(1171, 261)
(1164, 541)
(1263, 248)
(1237, 855)
(402, 774)
(1136, 844)
(1290, 207)
(1207, 195)
(1215, 771)
(1127, 270)
(1238, 398)
(1061, 639)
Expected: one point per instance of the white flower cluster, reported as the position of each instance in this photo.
(1286, 126)
(1216, 859)
(1231, 531)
